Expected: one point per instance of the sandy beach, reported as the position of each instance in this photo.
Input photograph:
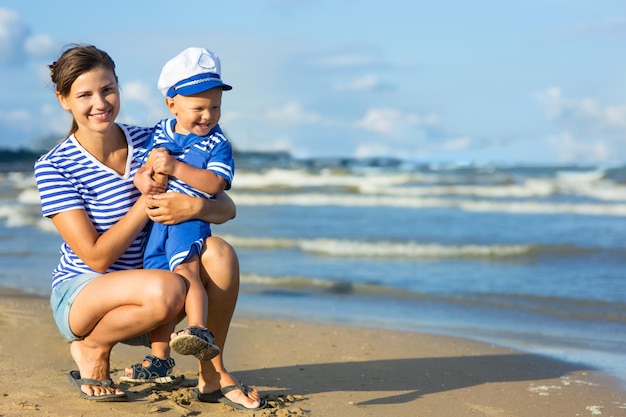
(306, 369)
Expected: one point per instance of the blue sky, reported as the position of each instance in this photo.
(533, 81)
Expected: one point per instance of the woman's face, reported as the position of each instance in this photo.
(94, 101)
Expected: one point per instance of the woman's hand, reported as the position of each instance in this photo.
(173, 208)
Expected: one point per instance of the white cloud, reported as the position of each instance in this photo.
(364, 83)
(13, 35)
(569, 149)
(230, 117)
(609, 25)
(33, 126)
(346, 60)
(368, 150)
(551, 100)
(42, 46)
(139, 91)
(615, 116)
(387, 121)
(16, 44)
(153, 104)
(577, 111)
(16, 118)
(281, 143)
(372, 150)
(457, 144)
(589, 131)
(58, 121)
(291, 114)
(380, 120)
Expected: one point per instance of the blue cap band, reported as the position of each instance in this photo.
(197, 84)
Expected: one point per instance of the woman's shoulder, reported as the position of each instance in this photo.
(63, 149)
(138, 138)
(136, 135)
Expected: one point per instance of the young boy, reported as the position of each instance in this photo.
(192, 152)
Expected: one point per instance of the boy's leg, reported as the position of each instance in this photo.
(195, 339)
(196, 303)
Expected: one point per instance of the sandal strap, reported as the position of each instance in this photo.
(201, 332)
(106, 383)
(230, 388)
(245, 388)
(169, 362)
(157, 368)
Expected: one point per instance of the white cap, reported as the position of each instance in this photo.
(192, 71)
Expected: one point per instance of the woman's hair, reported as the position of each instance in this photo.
(73, 62)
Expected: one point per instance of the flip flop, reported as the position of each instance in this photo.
(77, 381)
(218, 396)
(238, 406)
(210, 397)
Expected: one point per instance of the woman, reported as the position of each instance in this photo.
(100, 294)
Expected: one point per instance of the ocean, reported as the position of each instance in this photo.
(529, 257)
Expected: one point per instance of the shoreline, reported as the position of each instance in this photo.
(310, 369)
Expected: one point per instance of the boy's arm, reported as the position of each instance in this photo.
(199, 178)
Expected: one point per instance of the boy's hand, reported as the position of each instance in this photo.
(162, 163)
(145, 184)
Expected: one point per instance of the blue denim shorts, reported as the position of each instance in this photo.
(62, 297)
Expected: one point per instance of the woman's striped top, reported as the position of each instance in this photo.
(70, 178)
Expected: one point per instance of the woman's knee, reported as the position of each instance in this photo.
(168, 290)
(220, 265)
(217, 248)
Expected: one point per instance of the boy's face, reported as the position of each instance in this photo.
(197, 113)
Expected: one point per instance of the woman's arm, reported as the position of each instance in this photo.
(174, 208)
(100, 251)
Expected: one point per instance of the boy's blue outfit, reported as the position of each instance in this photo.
(168, 246)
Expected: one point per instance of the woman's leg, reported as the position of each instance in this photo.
(118, 306)
(220, 275)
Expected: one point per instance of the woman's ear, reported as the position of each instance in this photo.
(63, 100)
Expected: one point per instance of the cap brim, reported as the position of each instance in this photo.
(200, 87)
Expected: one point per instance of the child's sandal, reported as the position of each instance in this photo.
(196, 341)
(158, 371)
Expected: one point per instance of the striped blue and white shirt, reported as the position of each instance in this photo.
(212, 152)
(70, 178)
